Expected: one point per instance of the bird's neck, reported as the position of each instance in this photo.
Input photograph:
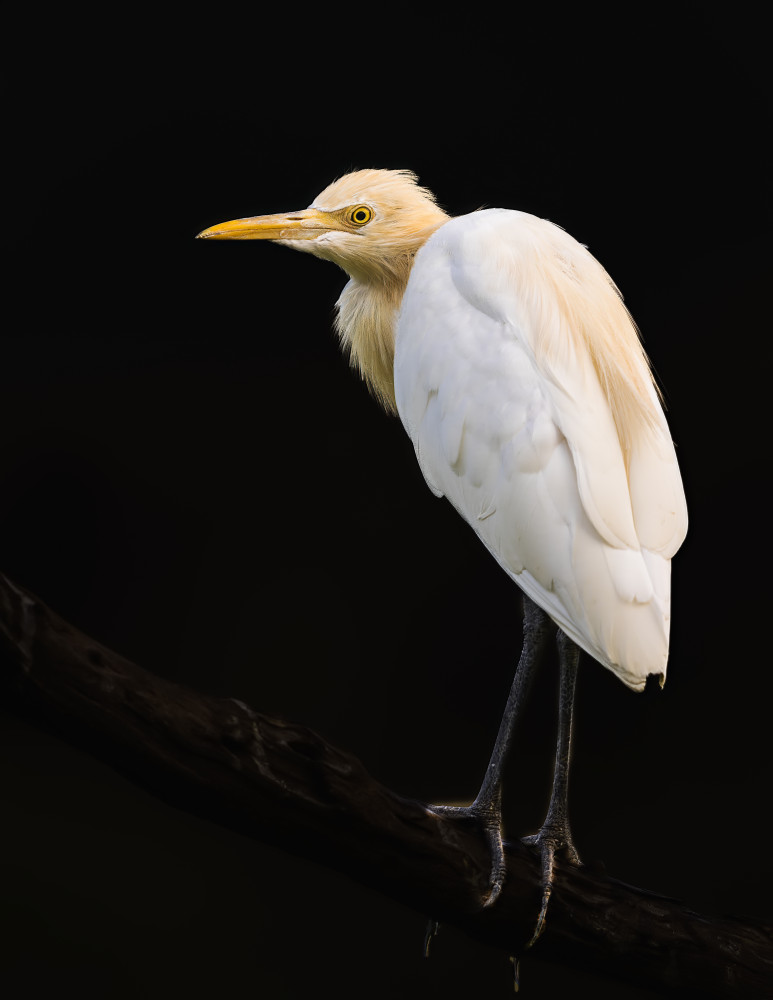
(367, 313)
(370, 303)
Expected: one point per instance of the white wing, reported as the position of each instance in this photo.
(510, 422)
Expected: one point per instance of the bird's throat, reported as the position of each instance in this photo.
(367, 313)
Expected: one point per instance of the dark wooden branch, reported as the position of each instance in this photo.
(283, 784)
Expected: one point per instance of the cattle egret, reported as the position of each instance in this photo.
(519, 376)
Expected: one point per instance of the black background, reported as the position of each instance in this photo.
(190, 472)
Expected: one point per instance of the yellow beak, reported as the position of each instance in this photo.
(305, 225)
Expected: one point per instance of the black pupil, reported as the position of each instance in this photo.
(360, 215)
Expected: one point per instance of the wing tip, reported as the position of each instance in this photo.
(636, 682)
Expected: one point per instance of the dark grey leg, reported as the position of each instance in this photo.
(486, 808)
(488, 803)
(536, 630)
(555, 834)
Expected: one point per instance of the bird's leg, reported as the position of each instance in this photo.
(555, 835)
(487, 809)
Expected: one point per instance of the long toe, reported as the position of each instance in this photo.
(498, 864)
(549, 843)
(489, 821)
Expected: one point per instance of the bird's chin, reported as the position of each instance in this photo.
(314, 245)
(305, 243)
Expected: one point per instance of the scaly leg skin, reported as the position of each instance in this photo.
(486, 810)
(488, 817)
(555, 836)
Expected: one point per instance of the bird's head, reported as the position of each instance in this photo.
(370, 223)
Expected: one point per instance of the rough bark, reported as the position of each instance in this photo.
(283, 784)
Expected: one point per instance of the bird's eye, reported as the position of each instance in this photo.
(360, 215)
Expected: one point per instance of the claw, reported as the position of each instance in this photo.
(541, 918)
(498, 864)
(516, 973)
(490, 821)
(549, 843)
(433, 926)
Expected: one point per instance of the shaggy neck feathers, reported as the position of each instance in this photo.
(368, 307)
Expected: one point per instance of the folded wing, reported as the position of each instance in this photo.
(520, 380)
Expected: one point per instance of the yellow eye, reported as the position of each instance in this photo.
(360, 215)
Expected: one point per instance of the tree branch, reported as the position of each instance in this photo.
(281, 783)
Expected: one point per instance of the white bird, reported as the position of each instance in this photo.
(519, 376)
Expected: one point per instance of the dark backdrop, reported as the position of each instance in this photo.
(190, 472)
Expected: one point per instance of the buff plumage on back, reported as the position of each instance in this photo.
(575, 316)
(576, 303)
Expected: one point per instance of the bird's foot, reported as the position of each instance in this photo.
(550, 841)
(488, 819)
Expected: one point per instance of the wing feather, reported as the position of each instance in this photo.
(514, 419)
